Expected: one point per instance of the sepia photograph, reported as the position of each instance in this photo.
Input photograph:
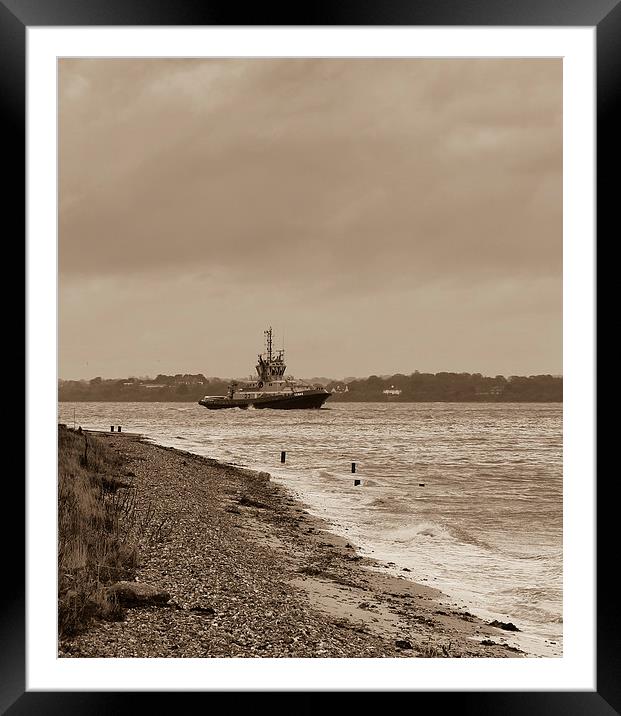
(310, 358)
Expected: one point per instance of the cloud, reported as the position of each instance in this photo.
(319, 192)
(172, 165)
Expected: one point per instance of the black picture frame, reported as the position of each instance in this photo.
(17, 15)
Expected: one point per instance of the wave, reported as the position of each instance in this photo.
(427, 532)
(408, 536)
(381, 502)
(537, 593)
(392, 505)
(467, 537)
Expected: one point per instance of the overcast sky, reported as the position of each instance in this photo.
(382, 215)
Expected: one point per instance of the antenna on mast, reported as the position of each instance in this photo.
(268, 341)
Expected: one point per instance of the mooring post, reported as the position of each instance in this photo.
(119, 429)
(112, 428)
(356, 483)
(353, 467)
(283, 455)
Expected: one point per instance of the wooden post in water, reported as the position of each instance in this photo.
(119, 429)
(353, 467)
(112, 428)
(356, 483)
(283, 455)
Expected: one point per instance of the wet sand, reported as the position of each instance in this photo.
(251, 573)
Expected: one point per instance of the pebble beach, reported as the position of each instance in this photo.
(250, 573)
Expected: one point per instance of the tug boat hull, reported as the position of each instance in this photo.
(314, 399)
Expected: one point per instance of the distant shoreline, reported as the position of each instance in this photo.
(414, 388)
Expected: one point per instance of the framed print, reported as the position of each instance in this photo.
(407, 197)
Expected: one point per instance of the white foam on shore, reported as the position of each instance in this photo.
(535, 639)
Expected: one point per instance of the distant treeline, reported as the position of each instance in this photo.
(416, 387)
(169, 388)
(451, 387)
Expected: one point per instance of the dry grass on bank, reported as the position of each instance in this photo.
(97, 542)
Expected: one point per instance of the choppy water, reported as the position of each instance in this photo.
(486, 528)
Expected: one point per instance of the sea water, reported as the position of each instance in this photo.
(468, 497)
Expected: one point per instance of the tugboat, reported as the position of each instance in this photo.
(271, 389)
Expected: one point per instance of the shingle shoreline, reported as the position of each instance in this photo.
(252, 574)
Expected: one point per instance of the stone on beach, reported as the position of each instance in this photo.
(403, 644)
(507, 626)
(132, 594)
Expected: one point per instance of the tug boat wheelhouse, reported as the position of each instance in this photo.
(271, 389)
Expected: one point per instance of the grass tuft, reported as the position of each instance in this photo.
(96, 542)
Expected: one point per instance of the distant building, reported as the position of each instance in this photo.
(392, 391)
